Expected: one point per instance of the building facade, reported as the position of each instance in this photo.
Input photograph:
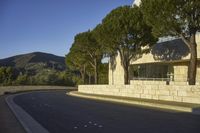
(167, 62)
(160, 74)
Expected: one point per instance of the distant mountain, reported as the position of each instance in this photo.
(34, 61)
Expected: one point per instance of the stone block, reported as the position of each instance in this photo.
(115, 90)
(178, 99)
(145, 91)
(168, 98)
(124, 90)
(173, 93)
(155, 97)
(116, 94)
(130, 91)
(152, 92)
(195, 88)
(155, 87)
(139, 87)
(127, 86)
(132, 87)
(193, 93)
(180, 83)
(120, 87)
(165, 87)
(136, 95)
(138, 91)
(145, 96)
(147, 87)
(130, 95)
(123, 94)
(162, 92)
(182, 93)
(191, 99)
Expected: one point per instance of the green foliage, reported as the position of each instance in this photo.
(172, 17)
(43, 77)
(6, 75)
(180, 18)
(103, 73)
(85, 55)
(125, 31)
(76, 62)
(74, 59)
(52, 77)
(22, 80)
(87, 44)
(34, 60)
(66, 78)
(34, 69)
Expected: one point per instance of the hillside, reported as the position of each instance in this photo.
(35, 69)
(34, 60)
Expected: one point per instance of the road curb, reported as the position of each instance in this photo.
(30, 125)
(140, 103)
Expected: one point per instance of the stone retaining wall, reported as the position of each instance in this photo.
(4, 89)
(177, 93)
(149, 82)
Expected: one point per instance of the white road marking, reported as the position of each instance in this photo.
(100, 126)
(85, 126)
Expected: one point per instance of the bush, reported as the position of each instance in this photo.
(22, 80)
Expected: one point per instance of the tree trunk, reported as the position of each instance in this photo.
(89, 75)
(193, 61)
(95, 72)
(83, 74)
(126, 75)
(84, 71)
(125, 64)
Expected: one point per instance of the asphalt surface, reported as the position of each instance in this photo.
(8, 121)
(59, 113)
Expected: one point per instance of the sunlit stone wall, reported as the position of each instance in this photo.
(176, 93)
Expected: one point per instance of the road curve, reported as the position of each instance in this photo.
(60, 113)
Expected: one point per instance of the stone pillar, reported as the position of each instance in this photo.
(110, 73)
(116, 71)
(180, 73)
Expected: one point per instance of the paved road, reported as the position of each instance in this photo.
(8, 122)
(59, 113)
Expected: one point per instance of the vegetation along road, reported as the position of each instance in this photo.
(60, 113)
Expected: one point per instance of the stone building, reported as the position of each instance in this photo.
(167, 62)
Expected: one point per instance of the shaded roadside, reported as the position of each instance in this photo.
(8, 121)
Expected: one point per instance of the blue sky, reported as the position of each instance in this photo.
(48, 25)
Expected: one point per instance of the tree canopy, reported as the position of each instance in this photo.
(85, 54)
(180, 18)
(123, 30)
